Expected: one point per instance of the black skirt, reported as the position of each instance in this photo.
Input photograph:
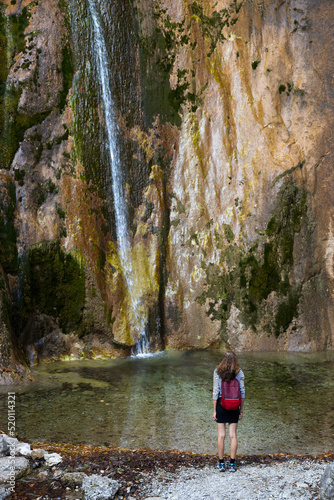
(226, 416)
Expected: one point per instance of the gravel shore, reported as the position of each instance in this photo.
(288, 480)
(144, 474)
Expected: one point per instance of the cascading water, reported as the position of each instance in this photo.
(97, 20)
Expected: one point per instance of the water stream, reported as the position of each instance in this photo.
(104, 27)
(164, 402)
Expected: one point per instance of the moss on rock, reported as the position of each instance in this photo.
(249, 277)
(53, 283)
(8, 232)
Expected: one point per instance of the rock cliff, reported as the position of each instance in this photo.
(225, 116)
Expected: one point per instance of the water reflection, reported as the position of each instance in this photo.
(164, 402)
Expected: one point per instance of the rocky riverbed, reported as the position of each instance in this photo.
(65, 471)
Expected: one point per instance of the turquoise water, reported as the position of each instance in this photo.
(164, 402)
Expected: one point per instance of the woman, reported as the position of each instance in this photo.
(227, 369)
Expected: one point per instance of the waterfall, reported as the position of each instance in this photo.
(101, 56)
(105, 77)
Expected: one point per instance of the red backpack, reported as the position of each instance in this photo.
(231, 397)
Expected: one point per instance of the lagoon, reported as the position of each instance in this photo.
(164, 402)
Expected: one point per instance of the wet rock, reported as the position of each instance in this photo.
(97, 487)
(73, 477)
(52, 459)
(38, 454)
(326, 489)
(15, 467)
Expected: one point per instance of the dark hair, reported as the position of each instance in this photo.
(228, 366)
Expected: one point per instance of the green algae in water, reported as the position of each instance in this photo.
(164, 402)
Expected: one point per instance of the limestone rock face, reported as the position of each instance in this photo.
(250, 238)
(224, 122)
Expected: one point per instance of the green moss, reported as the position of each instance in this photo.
(67, 71)
(14, 125)
(42, 191)
(255, 63)
(12, 42)
(63, 137)
(101, 259)
(61, 212)
(287, 311)
(181, 209)
(228, 233)
(53, 283)
(8, 233)
(19, 176)
(250, 277)
(213, 26)
(158, 52)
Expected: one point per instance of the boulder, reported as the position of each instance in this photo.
(326, 488)
(38, 453)
(13, 466)
(10, 440)
(97, 487)
(52, 459)
(23, 449)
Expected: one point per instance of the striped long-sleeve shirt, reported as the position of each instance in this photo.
(217, 384)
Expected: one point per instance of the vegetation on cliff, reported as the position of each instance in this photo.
(250, 275)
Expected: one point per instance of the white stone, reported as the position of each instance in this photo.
(52, 459)
(97, 487)
(23, 449)
(302, 485)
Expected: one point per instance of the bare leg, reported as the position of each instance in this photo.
(221, 438)
(232, 430)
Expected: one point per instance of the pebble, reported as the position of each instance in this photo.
(287, 480)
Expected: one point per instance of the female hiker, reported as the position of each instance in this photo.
(228, 372)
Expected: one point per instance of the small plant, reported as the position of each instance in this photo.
(281, 89)
(255, 63)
